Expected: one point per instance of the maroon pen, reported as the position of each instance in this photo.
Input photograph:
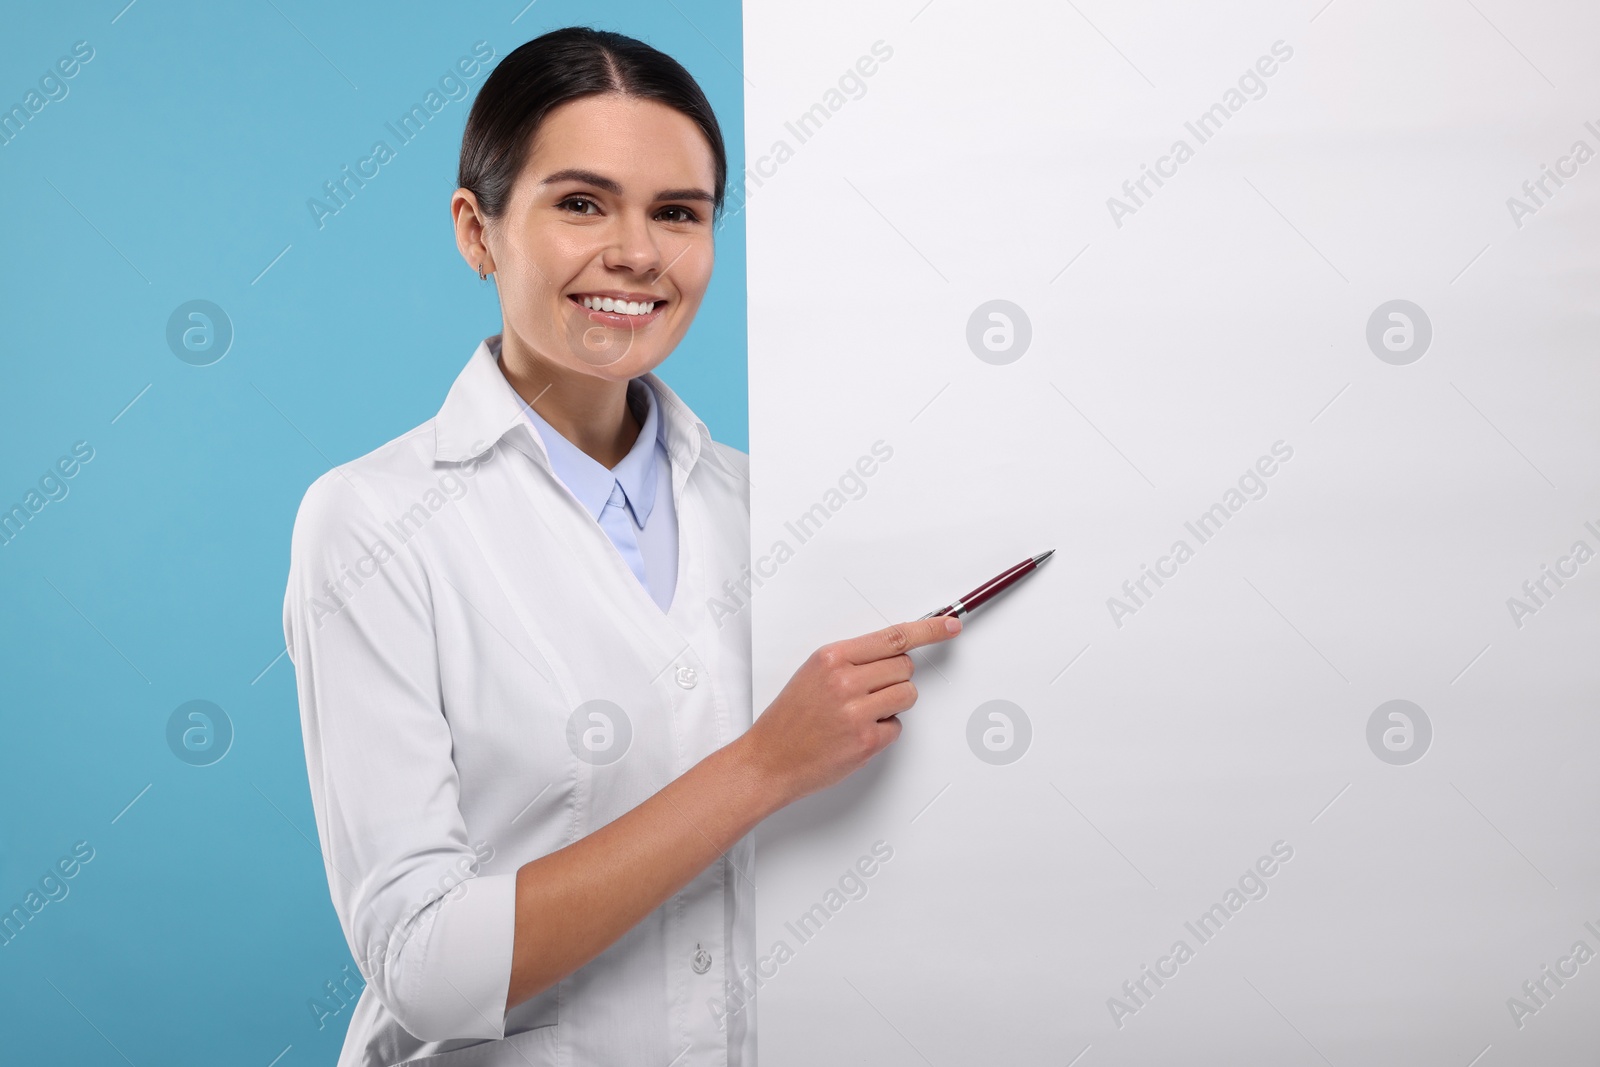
(988, 589)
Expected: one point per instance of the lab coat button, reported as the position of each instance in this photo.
(686, 677)
(702, 959)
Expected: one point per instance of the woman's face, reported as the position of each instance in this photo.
(605, 249)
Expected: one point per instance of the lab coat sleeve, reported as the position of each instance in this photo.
(432, 937)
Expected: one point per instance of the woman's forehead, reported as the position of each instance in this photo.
(638, 143)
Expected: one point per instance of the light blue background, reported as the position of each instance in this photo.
(177, 168)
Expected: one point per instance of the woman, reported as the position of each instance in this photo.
(529, 740)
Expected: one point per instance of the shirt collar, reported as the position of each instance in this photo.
(482, 409)
(589, 479)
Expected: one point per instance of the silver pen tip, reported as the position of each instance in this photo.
(1041, 557)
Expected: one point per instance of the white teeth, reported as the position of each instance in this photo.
(618, 307)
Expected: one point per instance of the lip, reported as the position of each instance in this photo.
(612, 318)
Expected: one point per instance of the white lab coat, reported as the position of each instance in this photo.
(450, 607)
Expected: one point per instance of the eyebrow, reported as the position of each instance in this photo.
(599, 181)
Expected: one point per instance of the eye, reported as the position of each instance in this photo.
(579, 205)
(677, 213)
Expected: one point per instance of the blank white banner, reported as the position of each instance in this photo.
(1278, 322)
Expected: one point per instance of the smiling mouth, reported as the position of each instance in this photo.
(617, 311)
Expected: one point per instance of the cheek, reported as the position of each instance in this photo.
(567, 250)
(691, 270)
(548, 261)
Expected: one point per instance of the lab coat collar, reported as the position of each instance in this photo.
(482, 409)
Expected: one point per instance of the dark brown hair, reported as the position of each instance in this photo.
(557, 67)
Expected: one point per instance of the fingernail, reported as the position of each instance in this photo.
(952, 624)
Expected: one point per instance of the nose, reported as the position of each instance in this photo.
(633, 246)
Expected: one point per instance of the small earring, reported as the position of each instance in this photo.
(481, 276)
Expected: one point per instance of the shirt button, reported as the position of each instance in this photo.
(686, 677)
(702, 960)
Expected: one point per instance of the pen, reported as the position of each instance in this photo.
(994, 585)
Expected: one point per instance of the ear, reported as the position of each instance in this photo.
(471, 231)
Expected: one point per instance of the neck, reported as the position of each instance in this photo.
(589, 411)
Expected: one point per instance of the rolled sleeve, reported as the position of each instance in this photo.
(432, 936)
(458, 986)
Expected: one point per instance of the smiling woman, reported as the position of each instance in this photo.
(584, 175)
(569, 235)
(538, 668)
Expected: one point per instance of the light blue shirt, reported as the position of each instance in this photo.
(632, 501)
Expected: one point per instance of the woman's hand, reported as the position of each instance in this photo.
(839, 710)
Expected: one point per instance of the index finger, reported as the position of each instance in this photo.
(899, 638)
